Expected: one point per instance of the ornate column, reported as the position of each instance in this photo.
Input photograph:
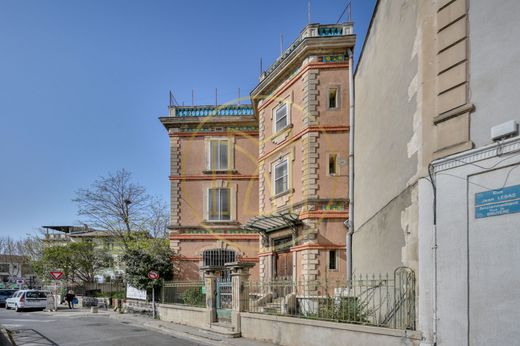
(240, 290)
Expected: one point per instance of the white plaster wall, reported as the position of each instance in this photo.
(385, 90)
(494, 61)
(476, 275)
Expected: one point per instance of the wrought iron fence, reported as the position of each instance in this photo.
(98, 289)
(184, 292)
(377, 300)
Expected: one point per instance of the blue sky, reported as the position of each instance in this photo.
(82, 84)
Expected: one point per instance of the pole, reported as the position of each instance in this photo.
(351, 171)
(153, 301)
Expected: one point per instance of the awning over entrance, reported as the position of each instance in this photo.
(269, 223)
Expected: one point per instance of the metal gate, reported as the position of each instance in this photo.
(224, 297)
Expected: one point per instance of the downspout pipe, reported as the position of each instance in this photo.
(350, 222)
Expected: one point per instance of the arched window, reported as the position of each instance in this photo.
(218, 257)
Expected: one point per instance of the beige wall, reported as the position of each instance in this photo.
(296, 331)
(194, 153)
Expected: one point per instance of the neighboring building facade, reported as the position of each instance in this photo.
(214, 186)
(434, 190)
(14, 267)
(302, 105)
(103, 240)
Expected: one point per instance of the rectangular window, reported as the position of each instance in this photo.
(333, 164)
(281, 120)
(332, 260)
(281, 182)
(333, 97)
(218, 154)
(4, 268)
(219, 204)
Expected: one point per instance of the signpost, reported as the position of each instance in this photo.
(153, 275)
(20, 283)
(56, 275)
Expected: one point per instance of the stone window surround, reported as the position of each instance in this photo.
(233, 187)
(231, 154)
(286, 100)
(288, 156)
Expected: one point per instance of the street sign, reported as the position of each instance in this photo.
(153, 275)
(57, 275)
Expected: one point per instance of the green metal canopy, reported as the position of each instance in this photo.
(274, 222)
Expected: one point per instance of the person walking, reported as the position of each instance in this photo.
(69, 297)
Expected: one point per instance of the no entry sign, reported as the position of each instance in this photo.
(57, 275)
(153, 275)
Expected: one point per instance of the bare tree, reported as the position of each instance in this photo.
(158, 218)
(118, 205)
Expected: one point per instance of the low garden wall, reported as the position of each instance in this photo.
(289, 331)
(138, 306)
(182, 314)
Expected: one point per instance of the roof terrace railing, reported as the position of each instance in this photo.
(207, 111)
(313, 30)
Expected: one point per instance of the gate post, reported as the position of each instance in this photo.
(210, 281)
(240, 290)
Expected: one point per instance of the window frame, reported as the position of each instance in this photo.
(275, 178)
(275, 117)
(219, 219)
(229, 155)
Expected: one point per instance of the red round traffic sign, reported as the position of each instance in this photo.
(153, 275)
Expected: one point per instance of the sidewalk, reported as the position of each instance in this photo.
(178, 330)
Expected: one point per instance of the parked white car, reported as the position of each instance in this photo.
(27, 299)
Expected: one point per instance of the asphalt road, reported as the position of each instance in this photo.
(37, 328)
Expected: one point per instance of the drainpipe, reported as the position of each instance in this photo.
(350, 222)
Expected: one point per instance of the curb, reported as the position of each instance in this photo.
(209, 340)
(6, 337)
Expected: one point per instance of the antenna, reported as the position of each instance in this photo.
(238, 95)
(192, 97)
(309, 12)
(281, 44)
(261, 68)
(216, 97)
(349, 8)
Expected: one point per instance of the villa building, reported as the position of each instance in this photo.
(302, 105)
(214, 186)
(275, 171)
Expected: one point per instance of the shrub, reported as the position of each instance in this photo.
(193, 296)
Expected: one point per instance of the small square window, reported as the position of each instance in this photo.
(281, 182)
(333, 265)
(281, 118)
(333, 97)
(333, 164)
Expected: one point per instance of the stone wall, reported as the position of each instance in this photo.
(187, 315)
(295, 331)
